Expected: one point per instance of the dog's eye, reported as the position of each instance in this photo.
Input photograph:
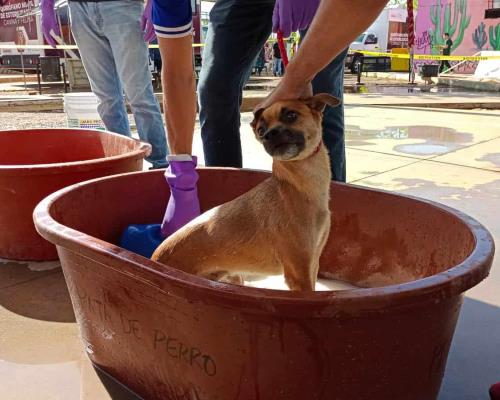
(261, 131)
(290, 116)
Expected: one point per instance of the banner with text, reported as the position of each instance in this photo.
(16, 27)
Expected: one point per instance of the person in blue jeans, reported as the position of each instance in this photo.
(277, 67)
(331, 80)
(111, 41)
(237, 30)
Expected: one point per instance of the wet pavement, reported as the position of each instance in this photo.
(448, 156)
(405, 89)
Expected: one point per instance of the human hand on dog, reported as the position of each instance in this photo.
(342, 19)
(286, 90)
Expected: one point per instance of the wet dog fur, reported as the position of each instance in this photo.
(279, 226)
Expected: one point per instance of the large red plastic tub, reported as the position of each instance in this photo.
(37, 162)
(170, 335)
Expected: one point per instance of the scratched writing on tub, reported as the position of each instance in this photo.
(173, 347)
(94, 305)
(190, 355)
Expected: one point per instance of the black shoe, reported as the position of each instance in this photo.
(158, 167)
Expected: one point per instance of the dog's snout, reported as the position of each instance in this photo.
(271, 133)
(278, 133)
(283, 141)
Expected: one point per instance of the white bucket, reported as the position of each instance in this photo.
(81, 110)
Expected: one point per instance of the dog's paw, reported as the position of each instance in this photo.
(233, 279)
(225, 277)
(300, 285)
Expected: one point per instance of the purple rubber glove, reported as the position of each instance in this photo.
(293, 15)
(49, 21)
(183, 205)
(147, 22)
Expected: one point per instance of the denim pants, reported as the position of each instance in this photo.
(277, 66)
(115, 56)
(237, 31)
(331, 80)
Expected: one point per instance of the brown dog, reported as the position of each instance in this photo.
(281, 225)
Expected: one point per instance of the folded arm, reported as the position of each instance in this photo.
(336, 24)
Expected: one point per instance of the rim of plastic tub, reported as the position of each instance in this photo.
(80, 94)
(142, 151)
(452, 282)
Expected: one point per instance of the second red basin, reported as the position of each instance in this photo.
(37, 162)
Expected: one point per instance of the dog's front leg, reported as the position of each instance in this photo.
(301, 273)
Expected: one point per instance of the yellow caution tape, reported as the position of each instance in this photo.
(365, 52)
(427, 56)
(61, 47)
(380, 54)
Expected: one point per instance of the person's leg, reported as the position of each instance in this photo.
(441, 66)
(331, 80)
(237, 31)
(99, 63)
(279, 67)
(122, 27)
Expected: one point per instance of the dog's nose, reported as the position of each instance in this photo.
(271, 133)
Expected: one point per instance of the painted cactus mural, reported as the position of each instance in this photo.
(479, 36)
(465, 16)
(495, 37)
(442, 24)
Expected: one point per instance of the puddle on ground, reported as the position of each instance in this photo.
(77, 379)
(492, 158)
(388, 90)
(409, 90)
(35, 266)
(41, 353)
(428, 140)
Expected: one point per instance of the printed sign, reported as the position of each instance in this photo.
(15, 26)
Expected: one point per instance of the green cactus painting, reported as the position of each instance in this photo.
(479, 37)
(455, 25)
(495, 37)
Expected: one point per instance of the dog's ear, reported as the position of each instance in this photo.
(321, 100)
(256, 117)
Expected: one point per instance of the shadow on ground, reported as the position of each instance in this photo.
(474, 359)
(37, 295)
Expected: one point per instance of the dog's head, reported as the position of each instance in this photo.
(291, 129)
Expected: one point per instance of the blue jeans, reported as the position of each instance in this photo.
(237, 31)
(115, 56)
(277, 66)
(331, 80)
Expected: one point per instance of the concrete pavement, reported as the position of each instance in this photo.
(449, 156)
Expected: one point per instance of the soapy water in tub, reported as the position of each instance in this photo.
(277, 282)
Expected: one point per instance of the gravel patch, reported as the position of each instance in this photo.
(32, 120)
(27, 120)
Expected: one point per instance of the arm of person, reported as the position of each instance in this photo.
(336, 24)
(179, 92)
(173, 26)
